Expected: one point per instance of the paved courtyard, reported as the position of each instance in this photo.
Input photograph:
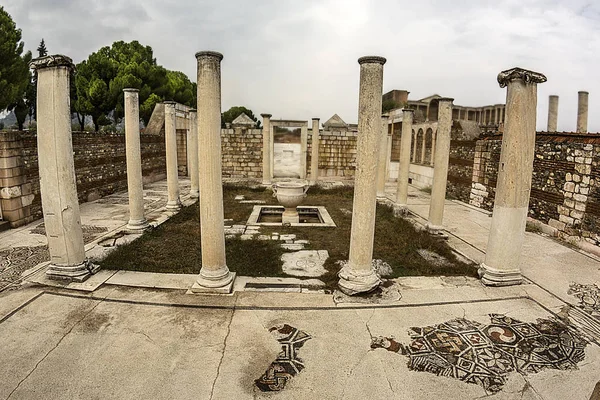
(447, 337)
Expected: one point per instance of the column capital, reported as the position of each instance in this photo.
(517, 73)
(266, 115)
(57, 60)
(131, 90)
(583, 92)
(192, 110)
(209, 54)
(445, 99)
(316, 119)
(372, 60)
(408, 110)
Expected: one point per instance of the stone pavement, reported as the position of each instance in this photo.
(446, 337)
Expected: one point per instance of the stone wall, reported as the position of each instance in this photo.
(337, 153)
(242, 153)
(100, 169)
(460, 169)
(565, 192)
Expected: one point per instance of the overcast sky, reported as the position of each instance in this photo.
(298, 59)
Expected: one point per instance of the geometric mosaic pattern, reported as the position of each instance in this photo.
(90, 232)
(486, 354)
(287, 364)
(14, 261)
(589, 298)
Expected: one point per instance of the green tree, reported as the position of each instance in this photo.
(234, 112)
(14, 71)
(389, 105)
(42, 51)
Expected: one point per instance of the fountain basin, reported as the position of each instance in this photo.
(290, 195)
(310, 216)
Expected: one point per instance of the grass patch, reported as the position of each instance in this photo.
(175, 245)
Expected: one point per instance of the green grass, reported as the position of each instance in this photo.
(175, 245)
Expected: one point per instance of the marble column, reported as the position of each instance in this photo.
(440, 169)
(552, 113)
(358, 275)
(503, 254)
(404, 165)
(193, 152)
(135, 188)
(173, 201)
(382, 158)
(582, 112)
(58, 187)
(267, 149)
(214, 275)
(423, 147)
(414, 146)
(303, 150)
(314, 152)
(432, 156)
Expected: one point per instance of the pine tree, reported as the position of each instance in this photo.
(42, 51)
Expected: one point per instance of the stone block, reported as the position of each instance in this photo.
(27, 200)
(569, 187)
(567, 220)
(11, 204)
(557, 224)
(580, 197)
(583, 169)
(577, 214)
(579, 160)
(568, 177)
(579, 206)
(10, 192)
(584, 190)
(576, 178)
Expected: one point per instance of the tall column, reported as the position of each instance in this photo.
(314, 155)
(214, 275)
(267, 147)
(135, 188)
(404, 165)
(303, 150)
(173, 201)
(193, 152)
(553, 113)
(433, 140)
(503, 255)
(414, 145)
(423, 146)
(359, 275)
(57, 170)
(388, 151)
(582, 112)
(440, 169)
(382, 157)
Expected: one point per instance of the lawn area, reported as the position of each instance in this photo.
(175, 245)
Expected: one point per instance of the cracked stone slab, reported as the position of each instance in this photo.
(307, 263)
(386, 293)
(292, 246)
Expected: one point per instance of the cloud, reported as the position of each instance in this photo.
(299, 59)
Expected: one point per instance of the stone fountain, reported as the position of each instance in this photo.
(290, 195)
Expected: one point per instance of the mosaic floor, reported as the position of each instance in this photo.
(486, 354)
(589, 298)
(90, 232)
(14, 261)
(288, 364)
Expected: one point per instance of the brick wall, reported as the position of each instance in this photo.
(337, 153)
(242, 153)
(100, 168)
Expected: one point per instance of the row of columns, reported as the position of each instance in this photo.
(415, 136)
(582, 112)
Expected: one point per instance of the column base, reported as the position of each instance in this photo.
(194, 194)
(72, 273)
(174, 205)
(436, 230)
(214, 283)
(400, 210)
(355, 282)
(267, 182)
(137, 225)
(290, 217)
(381, 196)
(496, 277)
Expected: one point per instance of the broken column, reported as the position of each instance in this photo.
(58, 188)
(553, 113)
(359, 276)
(382, 158)
(582, 112)
(193, 152)
(173, 201)
(214, 275)
(267, 148)
(135, 188)
(404, 165)
(502, 260)
(440, 166)
(314, 153)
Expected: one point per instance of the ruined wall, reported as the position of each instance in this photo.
(337, 153)
(242, 153)
(565, 192)
(100, 168)
(460, 169)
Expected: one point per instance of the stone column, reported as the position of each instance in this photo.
(582, 112)
(359, 275)
(57, 170)
(173, 202)
(314, 155)
(193, 152)
(382, 157)
(433, 140)
(423, 146)
(135, 188)
(303, 150)
(214, 275)
(414, 145)
(502, 259)
(404, 165)
(553, 113)
(440, 169)
(267, 148)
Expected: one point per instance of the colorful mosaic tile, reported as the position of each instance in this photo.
(485, 354)
(288, 364)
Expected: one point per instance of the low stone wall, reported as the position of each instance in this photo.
(565, 192)
(100, 169)
(242, 153)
